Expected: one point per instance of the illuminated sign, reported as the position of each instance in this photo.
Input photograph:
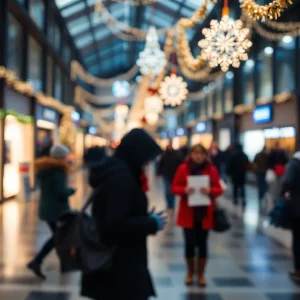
(262, 114)
(201, 127)
(172, 133)
(180, 132)
(93, 130)
(164, 135)
(49, 114)
(276, 133)
(75, 116)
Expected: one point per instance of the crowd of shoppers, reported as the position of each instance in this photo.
(120, 206)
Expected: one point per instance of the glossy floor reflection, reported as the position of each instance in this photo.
(244, 263)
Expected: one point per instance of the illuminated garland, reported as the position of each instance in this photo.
(271, 11)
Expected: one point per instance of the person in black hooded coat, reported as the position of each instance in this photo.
(120, 209)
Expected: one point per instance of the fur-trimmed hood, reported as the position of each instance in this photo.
(49, 163)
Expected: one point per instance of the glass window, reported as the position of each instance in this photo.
(78, 25)
(37, 12)
(15, 38)
(35, 64)
(58, 89)
(228, 92)
(265, 72)
(248, 82)
(50, 65)
(285, 62)
(67, 54)
(70, 10)
(57, 38)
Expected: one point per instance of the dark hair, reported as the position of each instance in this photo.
(200, 148)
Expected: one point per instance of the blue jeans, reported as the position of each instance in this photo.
(168, 193)
(262, 185)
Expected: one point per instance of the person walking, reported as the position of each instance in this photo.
(237, 168)
(196, 221)
(277, 162)
(120, 210)
(291, 190)
(168, 164)
(260, 167)
(52, 175)
(216, 156)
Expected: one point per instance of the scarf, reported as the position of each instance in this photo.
(144, 182)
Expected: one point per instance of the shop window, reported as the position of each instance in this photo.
(67, 54)
(248, 82)
(37, 12)
(15, 38)
(35, 64)
(18, 148)
(228, 92)
(50, 66)
(58, 88)
(285, 63)
(265, 72)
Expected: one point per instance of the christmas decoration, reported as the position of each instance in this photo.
(173, 90)
(225, 43)
(152, 59)
(154, 104)
(152, 118)
(137, 2)
(67, 131)
(121, 89)
(270, 11)
(121, 111)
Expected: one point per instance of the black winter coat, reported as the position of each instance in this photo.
(291, 183)
(169, 163)
(120, 208)
(217, 160)
(277, 158)
(237, 167)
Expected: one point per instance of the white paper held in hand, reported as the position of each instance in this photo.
(197, 198)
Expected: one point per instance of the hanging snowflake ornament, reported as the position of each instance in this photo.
(226, 43)
(152, 59)
(173, 90)
(154, 104)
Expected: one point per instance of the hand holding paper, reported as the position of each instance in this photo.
(201, 185)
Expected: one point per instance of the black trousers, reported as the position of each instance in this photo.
(48, 246)
(239, 191)
(296, 241)
(196, 238)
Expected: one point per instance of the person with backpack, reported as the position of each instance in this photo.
(120, 210)
(52, 175)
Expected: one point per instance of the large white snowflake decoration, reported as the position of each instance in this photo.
(152, 59)
(173, 90)
(154, 104)
(225, 43)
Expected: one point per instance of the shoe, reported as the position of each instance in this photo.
(201, 270)
(295, 276)
(36, 269)
(189, 278)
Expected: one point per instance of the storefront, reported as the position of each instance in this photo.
(18, 140)
(202, 134)
(47, 128)
(91, 139)
(223, 131)
(180, 139)
(267, 125)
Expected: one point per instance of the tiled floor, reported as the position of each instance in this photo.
(244, 263)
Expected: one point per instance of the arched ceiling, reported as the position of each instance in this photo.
(103, 53)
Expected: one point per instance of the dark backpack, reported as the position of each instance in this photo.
(78, 242)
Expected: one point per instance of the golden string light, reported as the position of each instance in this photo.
(271, 11)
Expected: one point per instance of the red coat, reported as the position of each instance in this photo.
(186, 214)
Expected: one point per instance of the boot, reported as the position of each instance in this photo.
(36, 269)
(201, 270)
(189, 279)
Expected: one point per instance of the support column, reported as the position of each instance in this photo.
(3, 62)
(297, 80)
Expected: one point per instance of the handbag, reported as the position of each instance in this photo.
(222, 223)
(281, 214)
(78, 242)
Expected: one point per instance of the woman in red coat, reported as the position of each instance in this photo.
(196, 221)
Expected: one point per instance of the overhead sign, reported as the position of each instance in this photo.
(276, 133)
(263, 114)
(93, 130)
(180, 132)
(164, 135)
(201, 127)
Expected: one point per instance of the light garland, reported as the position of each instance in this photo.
(152, 59)
(271, 11)
(77, 70)
(67, 132)
(121, 111)
(225, 43)
(173, 90)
